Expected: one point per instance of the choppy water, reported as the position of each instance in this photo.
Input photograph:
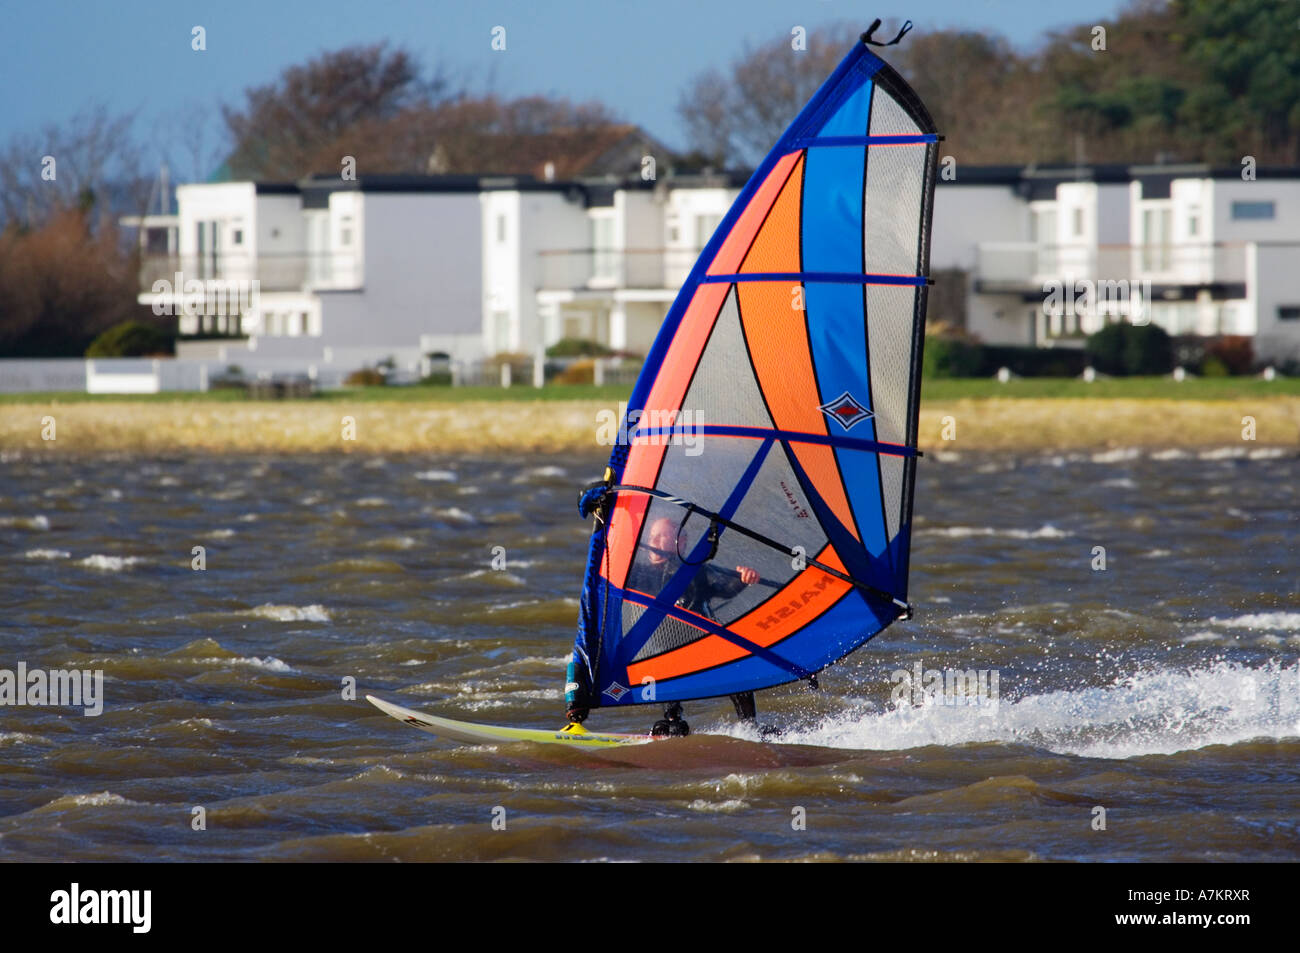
(1165, 688)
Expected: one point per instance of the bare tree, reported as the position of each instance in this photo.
(91, 161)
(286, 129)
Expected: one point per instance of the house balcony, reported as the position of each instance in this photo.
(1169, 270)
(289, 272)
(589, 269)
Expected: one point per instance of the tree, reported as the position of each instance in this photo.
(294, 126)
(1248, 53)
(93, 154)
(61, 284)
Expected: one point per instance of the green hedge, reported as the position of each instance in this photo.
(951, 357)
(1125, 349)
(131, 339)
(960, 357)
(576, 347)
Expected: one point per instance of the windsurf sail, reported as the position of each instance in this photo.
(755, 524)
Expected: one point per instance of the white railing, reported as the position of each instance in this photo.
(656, 268)
(1021, 266)
(291, 272)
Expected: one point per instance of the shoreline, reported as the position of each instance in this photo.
(563, 426)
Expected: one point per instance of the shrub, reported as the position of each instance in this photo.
(1127, 349)
(131, 339)
(1234, 352)
(579, 372)
(366, 377)
(576, 347)
(1213, 366)
(951, 357)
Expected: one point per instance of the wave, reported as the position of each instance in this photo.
(1284, 621)
(103, 563)
(38, 523)
(312, 613)
(1046, 531)
(1150, 713)
(47, 554)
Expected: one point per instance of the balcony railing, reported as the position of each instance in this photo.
(290, 272)
(1026, 266)
(650, 268)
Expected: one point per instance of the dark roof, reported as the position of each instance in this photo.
(1041, 181)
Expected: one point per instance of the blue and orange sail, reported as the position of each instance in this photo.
(756, 524)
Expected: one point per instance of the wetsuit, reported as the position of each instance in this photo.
(706, 585)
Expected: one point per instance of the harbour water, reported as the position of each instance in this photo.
(1136, 616)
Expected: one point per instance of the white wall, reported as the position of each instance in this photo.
(1274, 279)
(965, 215)
(422, 269)
(223, 202)
(1112, 214)
(278, 228)
(1284, 227)
(545, 221)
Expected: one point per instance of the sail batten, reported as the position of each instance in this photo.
(756, 524)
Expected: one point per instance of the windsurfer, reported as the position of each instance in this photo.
(652, 574)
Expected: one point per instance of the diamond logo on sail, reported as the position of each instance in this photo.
(846, 410)
(615, 691)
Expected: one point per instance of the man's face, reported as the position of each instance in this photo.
(663, 539)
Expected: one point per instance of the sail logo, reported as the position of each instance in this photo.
(949, 687)
(794, 605)
(795, 505)
(68, 688)
(615, 691)
(678, 428)
(77, 906)
(846, 410)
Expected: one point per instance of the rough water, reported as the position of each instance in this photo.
(1163, 688)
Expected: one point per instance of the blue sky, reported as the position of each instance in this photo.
(57, 58)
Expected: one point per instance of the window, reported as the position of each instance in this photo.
(1288, 312)
(605, 257)
(705, 226)
(1157, 231)
(1253, 210)
(345, 230)
(1078, 223)
(501, 228)
(237, 237)
(1194, 223)
(501, 330)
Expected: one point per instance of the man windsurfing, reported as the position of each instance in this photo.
(650, 575)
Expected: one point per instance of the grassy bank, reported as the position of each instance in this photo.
(978, 415)
(941, 389)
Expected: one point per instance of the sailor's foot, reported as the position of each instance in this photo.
(671, 724)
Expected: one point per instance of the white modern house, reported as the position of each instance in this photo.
(1194, 249)
(339, 273)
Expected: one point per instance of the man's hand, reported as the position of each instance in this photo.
(747, 576)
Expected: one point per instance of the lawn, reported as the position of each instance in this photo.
(940, 389)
